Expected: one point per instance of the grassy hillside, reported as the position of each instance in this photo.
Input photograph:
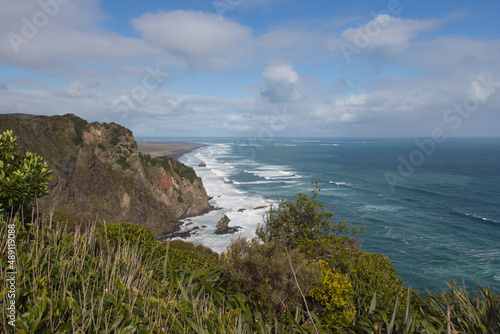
(118, 279)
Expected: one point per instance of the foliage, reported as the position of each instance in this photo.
(371, 273)
(79, 125)
(68, 217)
(22, 178)
(117, 278)
(71, 283)
(123, 163)
(200, 250)
(134, 234)
(305, 218)
(466, 312)
(169, 165)
(146, 243)
(336, 298)
(265, 272)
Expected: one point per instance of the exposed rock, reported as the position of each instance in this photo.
(241, 210)
(98, 170)
(202, 164)
(260, 207)
(224, 228)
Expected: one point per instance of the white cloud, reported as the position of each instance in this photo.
(281, 73)
(387, 35)
(65, 40)
(281, 83)
(203, 39)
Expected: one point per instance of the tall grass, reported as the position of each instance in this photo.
(77, 282)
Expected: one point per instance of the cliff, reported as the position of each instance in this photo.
(98, 171)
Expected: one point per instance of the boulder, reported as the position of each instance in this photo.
(224, 228)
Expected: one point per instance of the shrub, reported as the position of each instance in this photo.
(305, 218)
(22, 178)
(265, 272)
(189, 256)
(136, 235)
(335, 296)
(371, 273)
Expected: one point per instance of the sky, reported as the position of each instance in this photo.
(257, 68)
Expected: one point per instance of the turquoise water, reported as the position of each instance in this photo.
(433, 210)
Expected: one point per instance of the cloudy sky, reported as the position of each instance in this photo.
(255, 68)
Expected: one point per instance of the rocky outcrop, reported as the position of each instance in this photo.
(224, 228)
(98, 170)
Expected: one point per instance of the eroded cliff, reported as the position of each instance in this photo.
(98, 171)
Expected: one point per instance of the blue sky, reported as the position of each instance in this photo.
(255, 68)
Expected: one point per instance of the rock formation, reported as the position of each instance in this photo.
(223, 226)
(98, 171)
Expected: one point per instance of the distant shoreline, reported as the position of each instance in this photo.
(173, 150)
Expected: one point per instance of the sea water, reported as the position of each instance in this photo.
(433, 209)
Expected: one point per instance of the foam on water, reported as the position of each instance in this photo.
(345, 184)
(441, 223)
(243, 209)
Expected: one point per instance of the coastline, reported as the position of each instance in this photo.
(173, 150)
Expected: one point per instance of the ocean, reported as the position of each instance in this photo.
(432, 207)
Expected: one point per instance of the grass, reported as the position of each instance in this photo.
(77, 282)
(92, 279)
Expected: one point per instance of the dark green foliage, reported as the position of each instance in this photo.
(199, 249)
(133, 234)
(77, 140)
(119, 279)
(305, 218)
(123, 163)
(370, 274)
(79, 125)
(179, 199)
(115, 135)
(188, 257)
(22, 177)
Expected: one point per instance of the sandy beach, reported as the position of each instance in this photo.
(174, 150)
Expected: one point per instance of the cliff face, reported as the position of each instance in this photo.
(98, 171)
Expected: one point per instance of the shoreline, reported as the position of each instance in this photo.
(174, 150)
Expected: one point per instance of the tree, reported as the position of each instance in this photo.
(304, 219)
(22, 177)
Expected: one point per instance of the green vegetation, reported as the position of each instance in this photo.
(79, 125)
(304, 273)
(22, 177)
(123, 163)
(170, 165)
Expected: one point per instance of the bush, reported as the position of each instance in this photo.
(305, 218)
(135, 235)
(265, 272)
(190, 257)
(371, 273)
(22, 178)
(335, 297)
